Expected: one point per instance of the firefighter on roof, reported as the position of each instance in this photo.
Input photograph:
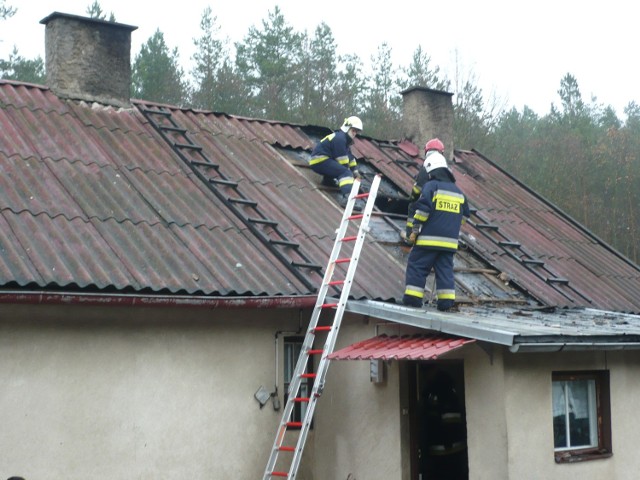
(439, 213)
(333, 159)
(432, 146)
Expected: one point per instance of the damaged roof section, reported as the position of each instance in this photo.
(547, 329)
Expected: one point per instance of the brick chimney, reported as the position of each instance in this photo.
(88, 59)
(427, 114)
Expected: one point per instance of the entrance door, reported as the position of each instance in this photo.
(438, 425)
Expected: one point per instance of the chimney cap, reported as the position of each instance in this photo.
(79, 18)
(425, 89)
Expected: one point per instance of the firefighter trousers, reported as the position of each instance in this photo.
(421, 261)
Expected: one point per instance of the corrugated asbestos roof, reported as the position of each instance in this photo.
(401, 347)
(92, 198)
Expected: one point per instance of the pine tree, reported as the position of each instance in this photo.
(382, 114)
(22, 69)
(319, 79)
(157, 75)
(268, 60)
(209, 58)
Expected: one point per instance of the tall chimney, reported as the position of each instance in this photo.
(427, 114)
(88, 59)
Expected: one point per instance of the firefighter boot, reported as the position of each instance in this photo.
(447, 306)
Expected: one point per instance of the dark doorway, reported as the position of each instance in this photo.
(438, 421)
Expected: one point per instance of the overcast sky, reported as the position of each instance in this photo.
(517, 52)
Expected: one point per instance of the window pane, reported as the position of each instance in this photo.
(559, 415)
(581, 403)
(574, 414)
(292, 349)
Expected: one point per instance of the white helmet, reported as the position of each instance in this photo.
(435, 160)
(351, 122)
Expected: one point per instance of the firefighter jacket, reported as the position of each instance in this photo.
(416, 191)
(440, 211)
(336, 145)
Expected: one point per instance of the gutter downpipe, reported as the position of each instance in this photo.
(69, 298)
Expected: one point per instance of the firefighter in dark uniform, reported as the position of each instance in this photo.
(440, 211)
(332, 157)
(432, 146)
(443, 445)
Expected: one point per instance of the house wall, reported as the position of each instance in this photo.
(142, 393)
(137, 394)
(485, 411)
(509, 416)
(357, 428)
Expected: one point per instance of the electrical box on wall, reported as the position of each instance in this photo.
(376, 371)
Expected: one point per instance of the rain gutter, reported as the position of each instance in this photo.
(572, 346)
(73, 298)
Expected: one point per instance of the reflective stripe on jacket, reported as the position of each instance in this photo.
(440, 212)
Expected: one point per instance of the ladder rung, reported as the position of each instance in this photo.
(243, 201)
(335, 282)
(306, 265)
(487, 226)
(294, 424)
(173, 129)
(343, 260)
(204, 164)
(279, 474)
(322, 328)
(349, 239)
(533, 262)
(220, 181)
(509, 244)
(356, 217)
(287, 449)
(308, 375)
(188, 146)
(157, 112)
(264, 221)
(315, 351)
(301, 399)
(329, 305)
(284, 242)
(361, 195)
(558, 280)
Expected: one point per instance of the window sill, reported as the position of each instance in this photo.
(581, 456)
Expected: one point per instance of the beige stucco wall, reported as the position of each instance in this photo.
(158, 393)
(486, 421)
(358, 422)
(509, 419)
(169, 394)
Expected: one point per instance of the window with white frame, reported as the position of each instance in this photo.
(292, 349)
(581, 415)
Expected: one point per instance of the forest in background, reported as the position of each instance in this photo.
(580, 156)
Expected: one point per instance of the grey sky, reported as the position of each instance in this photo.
(516, 52)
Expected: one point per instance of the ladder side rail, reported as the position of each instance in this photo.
(323, 366)
(301, 365)
(322, 293)
(344, 296)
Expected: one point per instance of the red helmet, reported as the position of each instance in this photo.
(434, 144)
